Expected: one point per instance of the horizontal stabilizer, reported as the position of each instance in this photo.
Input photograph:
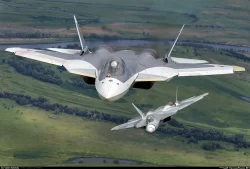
(66, 51)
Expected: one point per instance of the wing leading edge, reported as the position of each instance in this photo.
(73, 63)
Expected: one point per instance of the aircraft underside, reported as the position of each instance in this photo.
(137, 85)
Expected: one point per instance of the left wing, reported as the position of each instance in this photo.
(131, 123)
(73, 63)
(41, 55)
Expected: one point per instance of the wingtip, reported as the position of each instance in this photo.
(205, 94)
(239, 69)
(114, 128)
(12, 49)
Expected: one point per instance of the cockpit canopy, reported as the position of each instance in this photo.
(114, 67)
(150, 119)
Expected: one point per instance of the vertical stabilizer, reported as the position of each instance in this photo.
(168, 56)
(82, 41)
(176, 101)
(139, 111)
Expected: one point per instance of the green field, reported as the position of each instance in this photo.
(32, 138)
(205, 21)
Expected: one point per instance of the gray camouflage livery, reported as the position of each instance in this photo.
(114, 72)
(154, 118)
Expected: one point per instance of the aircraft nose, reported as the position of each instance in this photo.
(107, 89)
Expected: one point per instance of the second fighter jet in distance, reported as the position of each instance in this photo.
(163, 114)
(114, 72)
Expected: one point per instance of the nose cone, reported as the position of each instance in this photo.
(150, 128)
(109, 89)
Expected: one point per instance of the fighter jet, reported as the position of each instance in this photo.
(154, 118)
(114, 72)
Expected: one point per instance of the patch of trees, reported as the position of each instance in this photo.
(116, 161)
(196, 134)
(208, 26)
(195, 45)
(143, 106)
(73, 46)
(196, 53)
(79, 82)
(211, 146)
(44, 104)
(193, 16)
(193, 134)
(38, 71)
(237, 55)
(175, 123)
(103, 37)
(35, 70)
(104, 27)
(37, 34)
(61, 69)
(42, 18)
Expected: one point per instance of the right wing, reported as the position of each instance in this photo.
(131, 123)
(157, 70)
(165, 72)
(187, 102)
(73, 63)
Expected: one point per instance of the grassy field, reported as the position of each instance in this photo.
(160, 18)
(31, 138)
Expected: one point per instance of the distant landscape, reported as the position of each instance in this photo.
(51, 117)
(51, 21)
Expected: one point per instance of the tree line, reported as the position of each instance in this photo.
(35, 70)
(38, 71)
(176, 128)
(237, 55)
(195, 134)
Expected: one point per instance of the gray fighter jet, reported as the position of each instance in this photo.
(114, 72)
(154, 118)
